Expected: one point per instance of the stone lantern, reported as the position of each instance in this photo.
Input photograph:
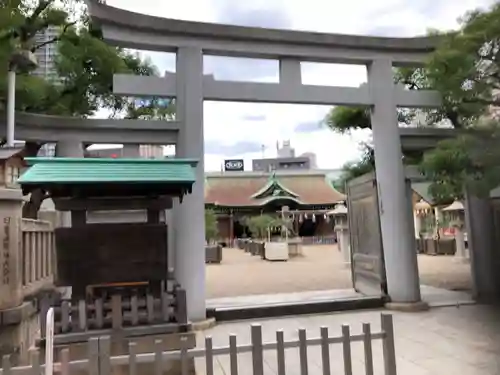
(456, 213)
(341, 227)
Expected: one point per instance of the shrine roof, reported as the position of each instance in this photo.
(244, 189)
(103, 170)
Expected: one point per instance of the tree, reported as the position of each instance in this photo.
(211, 229)
(85, 67)
(355, 169)
(466, 71)
(343, 119)
(259, 225)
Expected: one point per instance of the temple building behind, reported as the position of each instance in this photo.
(308, 194)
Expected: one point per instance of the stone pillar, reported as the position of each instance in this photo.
(131, 151)
(438, 215)
(418, 224)
(10, 249)
(231, 230)
(68, 149)
(344, 243)
(484, 255)
(189, 215)
(461, 253)
(396, 222)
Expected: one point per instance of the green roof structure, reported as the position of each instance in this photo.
(273, 189)
(116, 176)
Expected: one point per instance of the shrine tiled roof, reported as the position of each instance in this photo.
(107, 170)
(244, 189)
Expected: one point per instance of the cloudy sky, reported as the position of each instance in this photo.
(245, 130)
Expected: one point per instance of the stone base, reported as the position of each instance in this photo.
(203, 325)
(19, 330)
(407, 306)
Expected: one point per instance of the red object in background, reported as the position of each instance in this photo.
(449, 232)
(114, 156)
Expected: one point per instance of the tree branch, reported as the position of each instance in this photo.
(55, 39)
(42, 6)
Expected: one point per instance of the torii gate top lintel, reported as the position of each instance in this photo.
(135, 30)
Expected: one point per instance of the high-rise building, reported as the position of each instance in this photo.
(47, 53)
(140, 151)
(312, 159)
(286, 150)
(48, 150)
(151, 151)
(285, 159)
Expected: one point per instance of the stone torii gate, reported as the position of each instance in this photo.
(192, 40)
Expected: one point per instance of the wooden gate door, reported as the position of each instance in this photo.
(367, 255)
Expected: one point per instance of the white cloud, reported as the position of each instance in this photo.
(231, 123)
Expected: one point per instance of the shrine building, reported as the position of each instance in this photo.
(307, 195)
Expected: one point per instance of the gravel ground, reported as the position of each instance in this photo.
(320, 268)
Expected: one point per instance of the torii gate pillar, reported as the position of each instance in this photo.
(400, 255)
(189, 217)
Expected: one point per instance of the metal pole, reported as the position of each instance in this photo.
(11, 105)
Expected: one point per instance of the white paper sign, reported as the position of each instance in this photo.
(49, 342)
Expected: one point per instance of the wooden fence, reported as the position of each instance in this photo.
(119, 311)
(37, 255)
(101, 362)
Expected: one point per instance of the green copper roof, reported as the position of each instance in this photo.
(274, 188)
(101, 170)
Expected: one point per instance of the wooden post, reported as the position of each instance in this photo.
(257, 350)
(388, 346)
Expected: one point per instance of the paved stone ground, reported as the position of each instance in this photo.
(451, 340)
(321, 268)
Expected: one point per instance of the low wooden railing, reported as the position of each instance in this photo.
(133, 313)
(37, 256)
(311, 352)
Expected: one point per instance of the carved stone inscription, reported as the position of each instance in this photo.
(6, 251)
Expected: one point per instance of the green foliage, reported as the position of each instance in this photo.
(343, 119)
(466, 71)
(85, 64)
(470, 160)
(355, 169)
(465, 68)
(85, 67)
(211, 228)
(260, 224)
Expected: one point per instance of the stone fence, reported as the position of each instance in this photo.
(27, 267)
(37, 256)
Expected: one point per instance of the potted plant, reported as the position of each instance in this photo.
(259, 226)
(435, 244)
(213, 251)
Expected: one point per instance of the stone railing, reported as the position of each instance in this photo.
(37, 256)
